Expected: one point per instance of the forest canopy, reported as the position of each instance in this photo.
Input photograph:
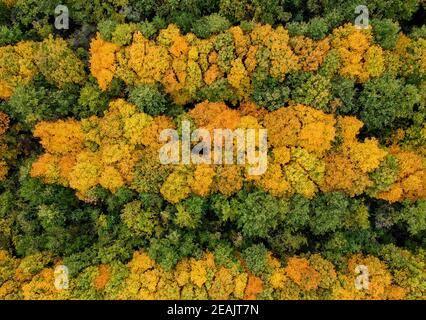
(88, 210)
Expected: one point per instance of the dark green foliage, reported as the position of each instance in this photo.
(270, 94)
(31, 104)
(36, 216)
(385, 100)
(386, 33)
(345, 9)
(328, 212)
(10, 35)
(313, 91)
(298, 215)
(289, 237)
(28, 11)
(106, 28)
(223, 254)
(4, 14)
(266, 11)
(418, 32)
(78, 261)
(285, 242)
(341, 244)
(255, 257)
(258, 213)
(92, 101)
(206, 26)
(50, 218)
(414, 216)
(222, 207)
(343, 96)
(316, 28)
(148, 29)
(148, 98)
(220, 90)
(168, 250)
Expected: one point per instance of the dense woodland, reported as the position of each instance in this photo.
(81, 184)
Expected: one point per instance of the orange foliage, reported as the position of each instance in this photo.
(94, 151)
(300, 271)
(214, 115)
(103, 60)
(254, 287)
(300, 126)
(103, 277)
(347, 169)
(308, 277)
(311, 53)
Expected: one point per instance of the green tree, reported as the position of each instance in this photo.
(148, 99)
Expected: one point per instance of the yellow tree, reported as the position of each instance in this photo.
(348, 167)
(17, 66)
(360, 59)
(411, 177)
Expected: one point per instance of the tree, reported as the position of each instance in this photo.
(409, 182)
(300, 271)
(300, 126)
(208, 25)
(385, 101)
(255, 257)
(270, 94)
(360, 60)
(190, 212)
(311, 53)
(268, 12)
(386, 33)
(315, 91)
(258, 213)
(17, 66)
(4, 124)
(103, 61)
(58, 63)
(142, 220)
(148, 99)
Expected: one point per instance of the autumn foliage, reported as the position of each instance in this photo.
(304, 159)
(83, 187)
(308, 277)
